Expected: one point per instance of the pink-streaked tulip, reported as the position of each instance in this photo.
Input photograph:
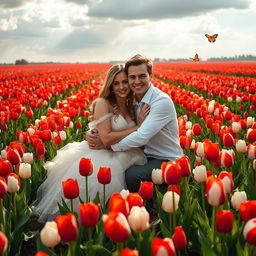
(215, 193)
(89, 214)
(85, 166)
(3, 187)
(67, 227)
(241, 146)
(146, 190)
(227, 180)
(163, 247)
(179, 238)
(251, 151)
(104, 175)
(25, 171)
(27, 158)
(171, 173)
(116, 226)
(49, 234)
(248, 210)
(211, 151)
(138, 218)
(118, 204)
(157, 177)
(199, 149)
(13, 183)
(3, 242)
(250, 232)
(200, 173)
(224, 221)
(167, 203)
(70, 188)
(5, 167)
(251, 135)
(134, 199)
(237, 198)
(128, 252)
(184, 164)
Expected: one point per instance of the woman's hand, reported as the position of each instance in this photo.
(143, 113)
(93, 139)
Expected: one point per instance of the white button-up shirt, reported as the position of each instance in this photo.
(159, 131)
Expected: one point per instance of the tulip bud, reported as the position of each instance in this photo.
(251, 151)
(118, 204)
(236, 127)
(5, 167)
(200, 174)
(85, 166)
(199, 149)
(167, 203)
(249, 121)
(49, 234)
(250, 232)
(70, 188)
(13, 183)
(128, 252)
(71, 125)
(188, 125)
(138, 218)
(3, 242)
(124, 193)
(146, 190)
(134, 199)
(254, 164)
(251, 135)
(25, 170)
(89, 214)
(157, 176)
(163, 247)
(63, 135)
(179, 238)
(27, 158)
(224, 221)
(31, 131)
(248, 210)
(237, 198)
(4, 153)
(13, 156)
(227, 180)
(104, 175)
(215, 193)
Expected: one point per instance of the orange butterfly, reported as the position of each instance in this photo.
(212, 38)
(196, 58)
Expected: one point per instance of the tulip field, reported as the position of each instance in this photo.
(204, 202)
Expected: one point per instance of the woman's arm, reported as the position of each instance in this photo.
(106, 134)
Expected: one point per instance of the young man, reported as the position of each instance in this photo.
(158, 134)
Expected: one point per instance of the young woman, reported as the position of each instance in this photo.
(114, 119)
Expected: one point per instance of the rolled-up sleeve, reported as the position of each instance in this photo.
(161, 113)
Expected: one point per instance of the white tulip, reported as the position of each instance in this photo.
(25, 170)
(167, 203)
(157, 176)
(241, 146)
(12, 184)
(138, 218)
(49, 234)
(237, 198)
(124, 193)
(63, 135)
(188, 125)
(200, 173)
(27, 158)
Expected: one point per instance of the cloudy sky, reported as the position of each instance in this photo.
(104, 30)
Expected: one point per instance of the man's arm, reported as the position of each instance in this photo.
(161, 113)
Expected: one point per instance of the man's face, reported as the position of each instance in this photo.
(139, 80)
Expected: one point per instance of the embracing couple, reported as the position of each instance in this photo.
(130, 116)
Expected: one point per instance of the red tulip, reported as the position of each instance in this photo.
(3, 242)
(46, 135)
(57, 140)
(215, 193)
(118, 204)
(104, 175)
(40, 150)
(85, 166)
(5, 167)
(251, 135)
(67, 227)
(199, 149)
(171, 173)
(185, 142)
(248, 210)
(146, 190)
(211, 151)
(224, 221)
(116, 226)
(250, 232)
(162, 247)
(13, 156)
(128, 252)
(228, 140)
(3, 187)
(174, 188)
(184, 164)
(78, 125)
(70, 188)
(197, 130)
(89, 214)
(179, 238)
(41, 254)
(134, 199)
(226, 158)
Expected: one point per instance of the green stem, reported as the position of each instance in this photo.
(86, 189)
(90, 240)
(104, 197)
(70, 249)
(71, 203)
(14, 205)
(2, 225)
(202, 195)
(138, 238)
(173, 205)
(119, 247)
(213, 225)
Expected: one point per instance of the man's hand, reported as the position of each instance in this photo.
(93, 139)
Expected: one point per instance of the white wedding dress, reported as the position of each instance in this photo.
(66, 165)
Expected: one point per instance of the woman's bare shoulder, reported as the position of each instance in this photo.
(102, 107)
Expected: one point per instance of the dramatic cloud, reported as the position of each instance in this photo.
(161, 9)
(13, 3)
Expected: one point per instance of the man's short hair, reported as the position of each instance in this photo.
(138, 60)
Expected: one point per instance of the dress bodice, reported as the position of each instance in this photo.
(118, 122)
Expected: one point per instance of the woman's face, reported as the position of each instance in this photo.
(120, 85)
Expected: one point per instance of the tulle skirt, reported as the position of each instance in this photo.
(66, 165)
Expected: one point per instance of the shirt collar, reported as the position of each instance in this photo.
(146, 98)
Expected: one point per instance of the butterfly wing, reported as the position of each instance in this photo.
(196, 58)
(212, 38)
